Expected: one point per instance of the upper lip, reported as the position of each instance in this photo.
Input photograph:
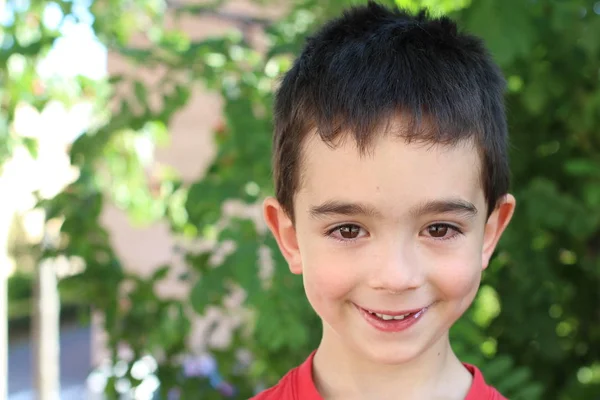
(393, 313)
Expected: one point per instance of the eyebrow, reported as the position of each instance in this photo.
(443, 206)
(337, 207)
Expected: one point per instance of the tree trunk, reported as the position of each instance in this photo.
(45, 332)
(3, 322)
(5, 216)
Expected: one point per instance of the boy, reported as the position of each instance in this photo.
(391, 172)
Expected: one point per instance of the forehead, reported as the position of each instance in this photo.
(393, 175)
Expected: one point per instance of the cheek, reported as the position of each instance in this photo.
(327, 275)
(458, 272)
(458, 278)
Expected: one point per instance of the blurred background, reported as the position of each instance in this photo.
(135, 152)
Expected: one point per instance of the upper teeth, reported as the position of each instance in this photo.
(389, 317)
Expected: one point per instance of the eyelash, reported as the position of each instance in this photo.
(330, 232)
(455, 229)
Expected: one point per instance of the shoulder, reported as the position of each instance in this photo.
(297, 384)
(284, 390)
(480, 390)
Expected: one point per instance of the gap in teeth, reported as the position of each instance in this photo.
(389, 317)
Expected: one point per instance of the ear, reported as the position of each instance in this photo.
(495, 225)
(284, 231)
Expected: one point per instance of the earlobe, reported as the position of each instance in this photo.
(284, 232)
(495, 226)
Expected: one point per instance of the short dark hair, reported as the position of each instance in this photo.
(374, 63)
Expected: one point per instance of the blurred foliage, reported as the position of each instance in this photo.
(535, 326)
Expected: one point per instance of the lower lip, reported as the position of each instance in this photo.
(392, 325)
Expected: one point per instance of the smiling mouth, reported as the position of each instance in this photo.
(392, 321)
(397, 316)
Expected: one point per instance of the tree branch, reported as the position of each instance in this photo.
(212, 11)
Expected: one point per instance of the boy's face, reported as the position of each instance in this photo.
(400, 229)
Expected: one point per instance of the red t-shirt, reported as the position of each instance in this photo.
(298, 385)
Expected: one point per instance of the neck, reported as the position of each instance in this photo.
(341, 373)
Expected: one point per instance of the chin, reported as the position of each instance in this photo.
(386, 354)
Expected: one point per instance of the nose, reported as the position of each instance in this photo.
(397, 268)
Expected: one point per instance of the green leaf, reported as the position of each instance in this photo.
(209, 289)
(505, 44)
(31, 145)
(141, 94)
(161, 273)
(583, 167)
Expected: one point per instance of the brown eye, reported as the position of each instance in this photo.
(438, 231)
(349, 231)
